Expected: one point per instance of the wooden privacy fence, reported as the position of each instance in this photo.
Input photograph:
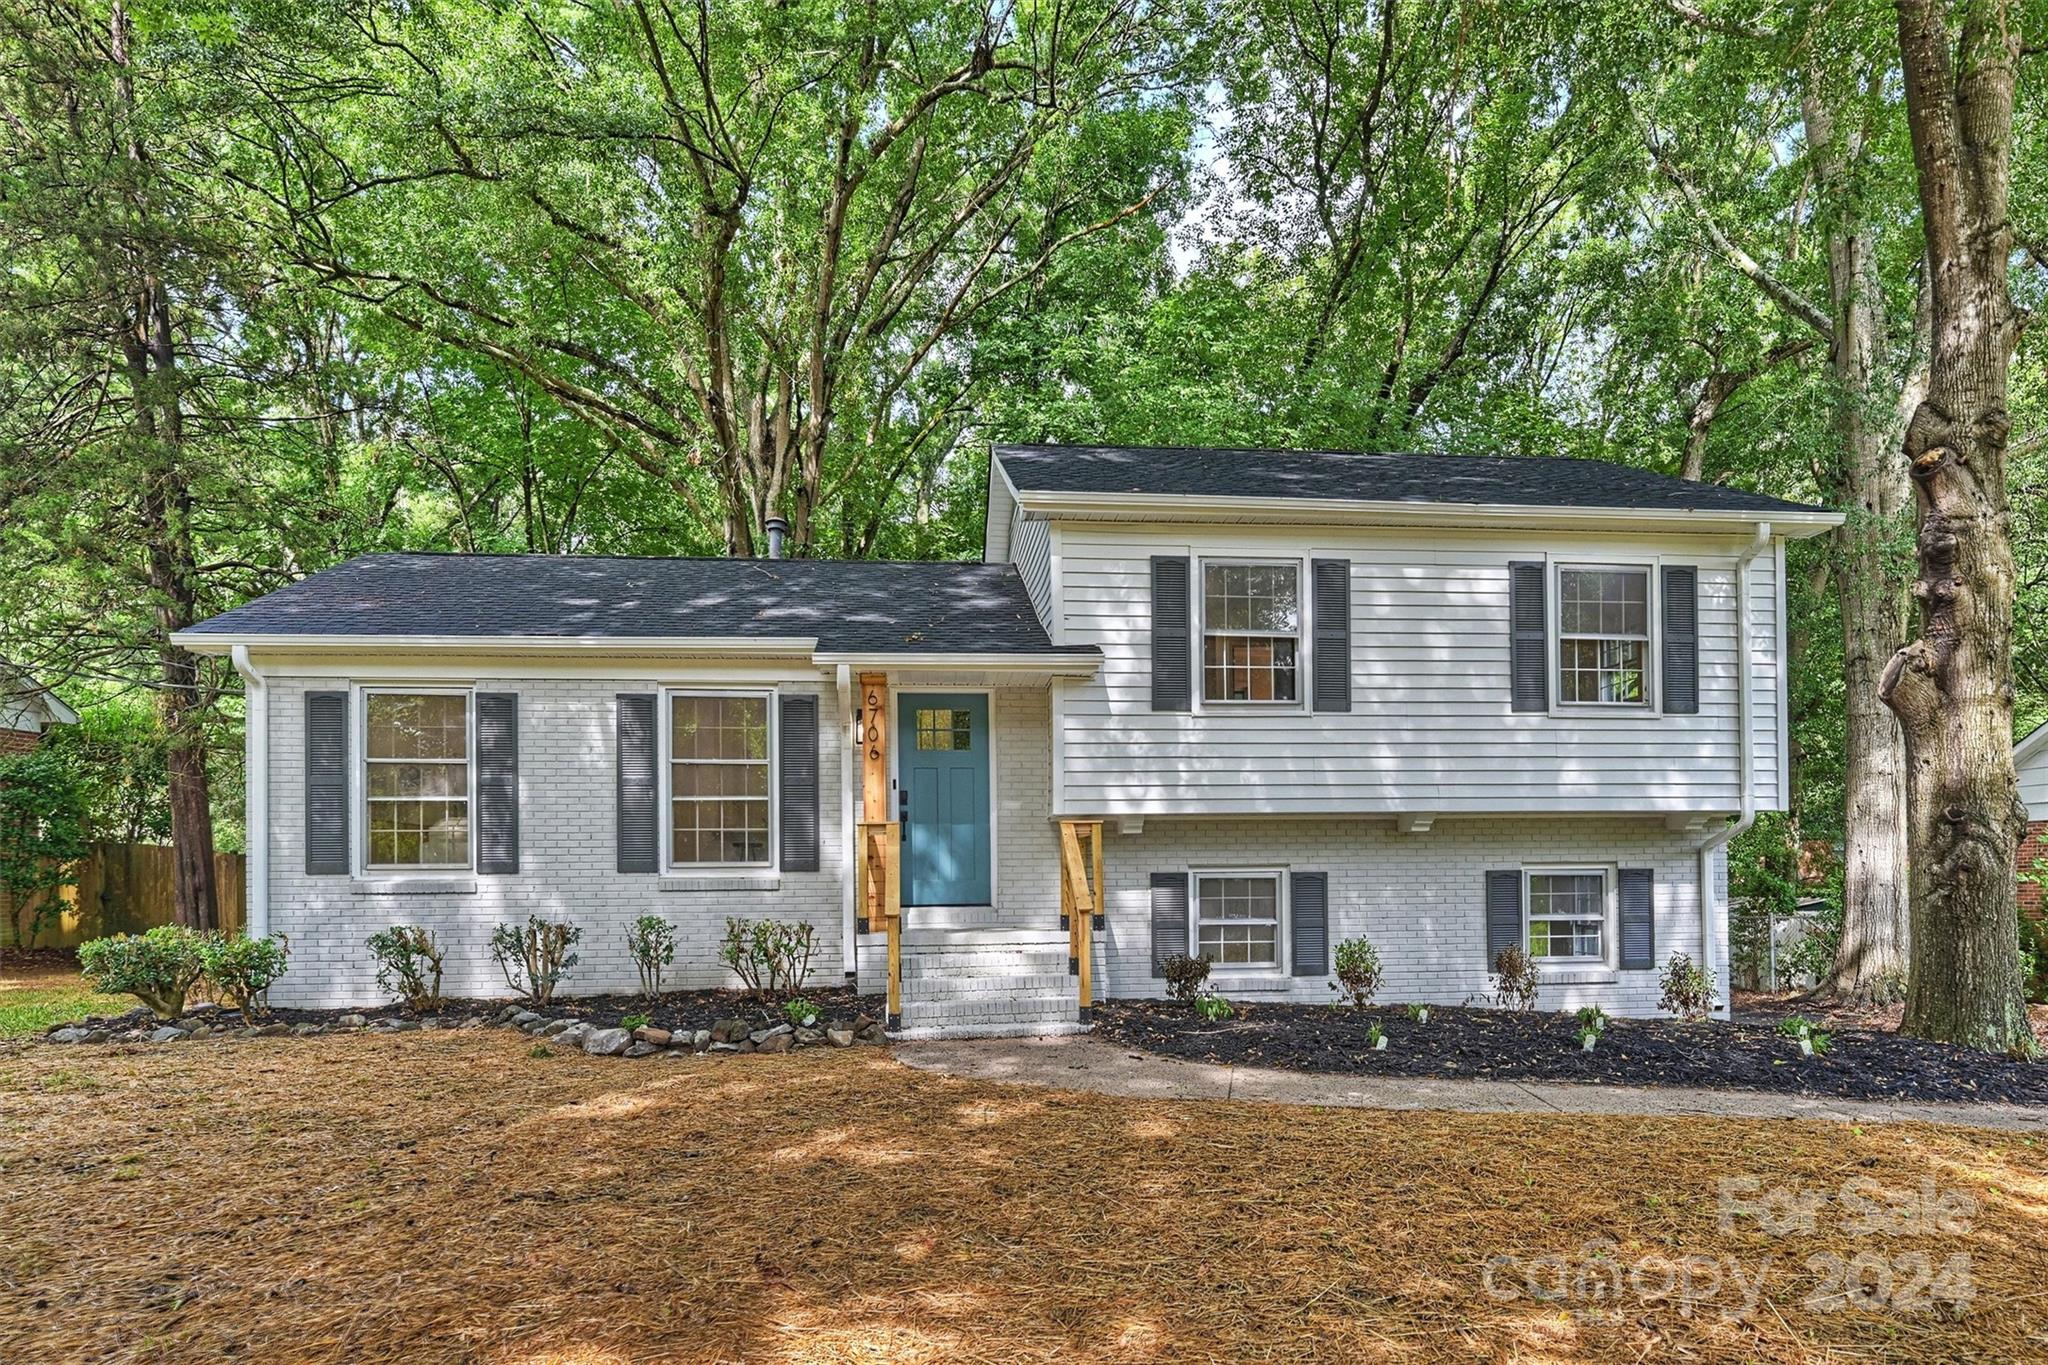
(125, 889)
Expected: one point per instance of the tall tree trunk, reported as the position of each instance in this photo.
(1952, 688)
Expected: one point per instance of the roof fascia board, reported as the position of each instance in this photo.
(2035, 742)
(761, 647)
(1071, 662)
(989, 520)
(1796, 525)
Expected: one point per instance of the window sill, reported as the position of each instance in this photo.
(1254, 980)
(412, 886)
(721, 881)
(1585, 974)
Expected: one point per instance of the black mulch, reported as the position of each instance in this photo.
(1544, 1046)
(672, 1011)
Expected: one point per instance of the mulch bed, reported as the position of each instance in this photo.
(673, 1010)
(1544, 1046)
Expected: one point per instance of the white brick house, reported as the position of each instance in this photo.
(1450, 704)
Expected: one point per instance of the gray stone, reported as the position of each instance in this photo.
(207, 1008)
(809, 1035)
(511, 1014)
(722, 1047)
(550, 1027)
(606, 1042)
(169, 1033)
(98, 1035)
(776, 1042)
(762, 1035)
(648, 1033)
(571, 1036)
(70, 1033)
(202, 1031)
(642, 1050)
(351, 1021)
(729, 1030)
(273, 1030)
(871, 1032)
(701, 1039)
(839, 1037)
(401, 1025)
(307, 1030)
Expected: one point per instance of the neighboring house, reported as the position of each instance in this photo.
(27, 711)
(2030, 758)
(1240, 703)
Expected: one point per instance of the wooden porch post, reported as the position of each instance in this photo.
(879, 857)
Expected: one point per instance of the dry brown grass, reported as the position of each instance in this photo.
(445, 1197)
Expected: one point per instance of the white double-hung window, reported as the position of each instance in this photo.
(1237, 918)
(1567, 915)
(1251, 632)
(720, 807)
(416, 779)
(1603, 635)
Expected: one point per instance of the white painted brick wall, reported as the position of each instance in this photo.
(568, 781)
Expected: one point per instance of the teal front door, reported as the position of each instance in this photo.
(942, 767)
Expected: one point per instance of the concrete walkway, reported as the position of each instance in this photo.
(1083, 1062)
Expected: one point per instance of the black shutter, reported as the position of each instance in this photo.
(1638, 918)
(497, 782)
(1169, 918)
(1308, 901)
(1529, 669)
(1681, 640)
(639, 836)
(1503, 913)
(327, 853)
(1331, 579)
(1172, 643)
(797, 736)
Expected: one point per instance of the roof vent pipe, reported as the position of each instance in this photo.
(776, 528)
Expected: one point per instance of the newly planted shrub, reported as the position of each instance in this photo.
(1801, 1030)
(240, 969)
(1516, 979)
(801, 1012)
(633, 1021)
(770, 957)
(1376, 1038)
(1213, 1008)
(1588, 1035)
(1185, 975)
(1688, 989)
(535, 956)
(1358, 969)
(408, 965)
(1592, 1017)
(652, 942)
(1419, 1013)
(157, 968)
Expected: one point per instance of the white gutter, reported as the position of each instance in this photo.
(256, 794)
(847, 936)
(713, 646)
(1079, 663)
(1713, 914)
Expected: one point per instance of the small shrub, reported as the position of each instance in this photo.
(633, 1021)
(1592, 1017)
(1358, 969)
(539, 1050)
(1376, 1038)
(158, 968)
(801, 1013)
(1185, 975)
(1516, 979)
(1419, 1013)
(770, 957)
(1213, 1008)
(652, 942)
(1804, 1032)
(240, 969)
(408, 965)
(535, 956)
(1588, 1035)
(1688, 989)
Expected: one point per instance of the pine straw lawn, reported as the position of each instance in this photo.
(445, 1197)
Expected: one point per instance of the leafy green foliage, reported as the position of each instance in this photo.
(770, 957)
(634, 1021)
(652, 943)
(1185, 975)
(408, 965)
(42, 836)
(1358, 970)
(801, 1012)
(1213, 1008)
(1687, 989)
(241, 968)
(158, 968)
(1375, 1037)
(1763, 892)
(535, 956)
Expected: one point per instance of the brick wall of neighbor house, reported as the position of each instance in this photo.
(18, 741)
(2033, 850)
(1418, 897)
(568, 870)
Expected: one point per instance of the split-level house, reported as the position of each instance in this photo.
(1234, 703)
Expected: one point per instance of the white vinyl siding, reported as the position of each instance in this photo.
(1430, 727)
(2033, 773)
(1031, 552)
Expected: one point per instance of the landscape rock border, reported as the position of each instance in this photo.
(729, 1036)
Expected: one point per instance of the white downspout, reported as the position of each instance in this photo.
(256, 793)
(1713, 914)
(846, 833)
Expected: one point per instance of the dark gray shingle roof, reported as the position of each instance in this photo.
(1473, 480)
(860, 606)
